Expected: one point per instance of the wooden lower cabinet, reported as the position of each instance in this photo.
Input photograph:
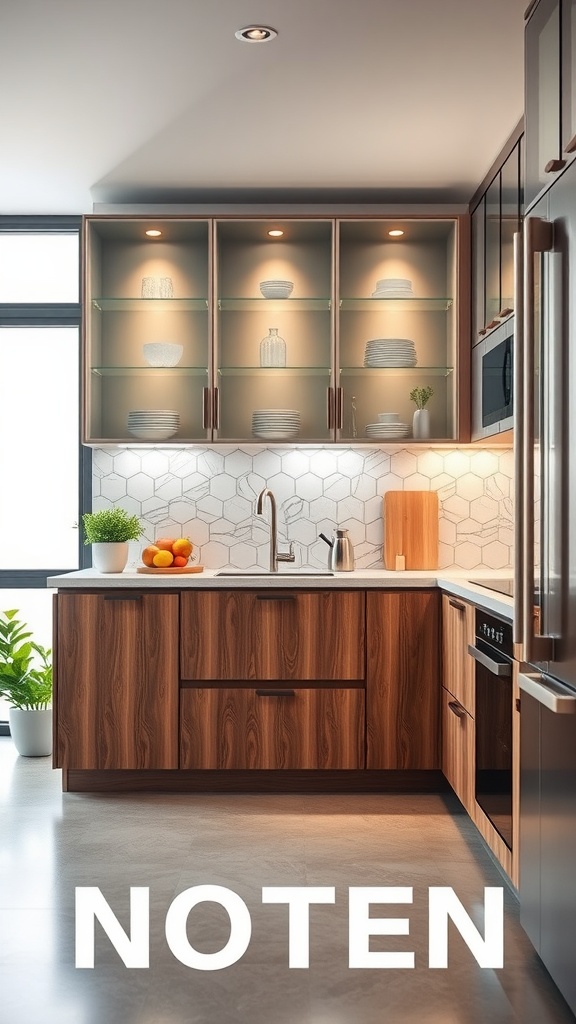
(272, 634)
(458, 749)
(458, 630)
(272, 727)
(403, 679)
(116, 680)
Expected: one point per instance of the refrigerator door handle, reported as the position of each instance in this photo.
(538, 238)
(548, 692)
(518, 621)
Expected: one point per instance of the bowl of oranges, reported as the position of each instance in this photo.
(169, 554)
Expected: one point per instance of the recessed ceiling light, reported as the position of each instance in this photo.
(395, 233)
(275, 233)
(256, 34)
(153, 233)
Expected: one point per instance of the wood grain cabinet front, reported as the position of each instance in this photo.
(458, 749)
(458, 629)
(264, 635)
(403, 679)
(116, 680)
(272, 727)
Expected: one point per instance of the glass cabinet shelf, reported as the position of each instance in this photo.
(257, 305)
(274, 371)
(428, 305)
(397, 371)
(156, 371)
(137, 305)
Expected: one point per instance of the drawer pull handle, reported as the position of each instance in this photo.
(456, 708)
(122, 597)
(554, 165)
(275, 597)
(457, 605)
(275, 693)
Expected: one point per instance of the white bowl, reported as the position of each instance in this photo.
(162, 353)
(153, 433)
(388, 417)
(276, 289)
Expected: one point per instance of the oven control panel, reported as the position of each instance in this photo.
(495, 632)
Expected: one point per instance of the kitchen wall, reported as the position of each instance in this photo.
(209, 495)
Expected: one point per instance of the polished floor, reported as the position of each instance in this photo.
(51, 842)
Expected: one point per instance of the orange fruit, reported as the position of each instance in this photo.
(148, 554)
(182, 546)
(162, 559)
(165, 543)
(180, 561)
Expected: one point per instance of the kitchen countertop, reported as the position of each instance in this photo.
(455, 582)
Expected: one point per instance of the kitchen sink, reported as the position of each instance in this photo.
(274, 575)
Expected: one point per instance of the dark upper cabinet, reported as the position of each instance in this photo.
(550, 106)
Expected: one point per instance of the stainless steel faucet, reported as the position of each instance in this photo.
(274, 556)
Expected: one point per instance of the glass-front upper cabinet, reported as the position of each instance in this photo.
(544, 141)
(492, 252)
(478, 227)
(397, 327)
(510, 221)
(274, 330)
(147, 318)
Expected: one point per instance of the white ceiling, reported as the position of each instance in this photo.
(122, 101)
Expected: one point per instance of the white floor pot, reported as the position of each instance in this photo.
(31, 731)
(110, 557)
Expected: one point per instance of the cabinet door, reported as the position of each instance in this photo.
(403, 679)
(458, 749)
(542, 116)
(272, 634)
(116, 692)
(458, 630)
(272, 728)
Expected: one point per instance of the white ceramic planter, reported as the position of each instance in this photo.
(31, 731)
(110, 557)
(421, 423)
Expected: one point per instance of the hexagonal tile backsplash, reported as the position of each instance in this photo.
(210, 496)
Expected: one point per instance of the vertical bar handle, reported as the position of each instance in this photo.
(538, 237)
(330, 403)
(206, 410)
(339, 407)
(519, 582)
(216, 413)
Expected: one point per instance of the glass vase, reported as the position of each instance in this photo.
(272, 349)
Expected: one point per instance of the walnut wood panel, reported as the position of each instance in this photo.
(458, 630)
(301, 728)
(403, 679)
(252, 781)
(272, 635)
(117, 680)
(458, 749)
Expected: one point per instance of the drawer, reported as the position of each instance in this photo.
(458, 749)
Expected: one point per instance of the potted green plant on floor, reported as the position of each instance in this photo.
(26, 683)
(108, 531)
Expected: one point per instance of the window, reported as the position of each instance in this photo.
(45, 474)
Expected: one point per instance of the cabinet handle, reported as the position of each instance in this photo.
(122, 597)
(275, 693)
(554, 165)
(216, 415)
(339, 407)
(456, 708)
(457, 604)
(330, 407)
(570, 146)
(493, 323)
(482, 332)
(275, 597)
(506, 311)
(206, 408)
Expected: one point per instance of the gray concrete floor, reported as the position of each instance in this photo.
(51, 842)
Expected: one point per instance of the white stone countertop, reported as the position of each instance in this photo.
(455, 582)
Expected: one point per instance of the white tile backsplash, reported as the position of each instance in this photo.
(210, 496)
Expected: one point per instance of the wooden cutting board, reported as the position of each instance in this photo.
(411, 529)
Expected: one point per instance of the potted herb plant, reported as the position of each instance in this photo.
(108, 531)
(26, 683)
(421, 419)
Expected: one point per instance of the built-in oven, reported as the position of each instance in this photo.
(492, 652)
(493, 374)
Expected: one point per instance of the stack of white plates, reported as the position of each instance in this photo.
(390, 352)
(276, 289)
(153, 424)
(387, 431)
(279, 424)
(393, 288)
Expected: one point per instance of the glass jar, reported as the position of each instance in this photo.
(272, 349)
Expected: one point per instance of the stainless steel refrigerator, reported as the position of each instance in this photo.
(545, 576)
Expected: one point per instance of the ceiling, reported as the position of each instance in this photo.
(136, 101)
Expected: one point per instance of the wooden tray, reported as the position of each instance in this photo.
(411, 528)
(170, 570)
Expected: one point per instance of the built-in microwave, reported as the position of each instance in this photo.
(493, 381)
